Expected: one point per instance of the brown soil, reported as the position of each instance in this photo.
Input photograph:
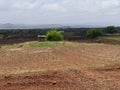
(83, 67)
(71, 80)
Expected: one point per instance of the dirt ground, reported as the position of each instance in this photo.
(84, 67)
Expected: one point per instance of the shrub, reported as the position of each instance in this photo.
(94, 33)
(54, 35)
(111, 29)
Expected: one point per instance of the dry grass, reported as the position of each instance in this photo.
(25, 59)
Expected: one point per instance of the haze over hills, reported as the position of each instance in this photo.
(26, 26)
(42, 26)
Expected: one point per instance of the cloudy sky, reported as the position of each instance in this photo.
(101, 12)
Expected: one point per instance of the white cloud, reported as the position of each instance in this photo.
(73, 10)
(110, 3)
(24, 5)
(63, 5)
(53, 7)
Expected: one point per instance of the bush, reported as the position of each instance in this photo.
(94, 33)
(54, 35)
(111, 29)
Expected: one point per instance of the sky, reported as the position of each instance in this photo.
(98, 12)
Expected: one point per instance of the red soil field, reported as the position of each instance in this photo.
(80, 67)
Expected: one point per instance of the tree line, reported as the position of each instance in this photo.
(68, 32)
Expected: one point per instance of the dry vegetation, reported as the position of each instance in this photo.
(68, 66)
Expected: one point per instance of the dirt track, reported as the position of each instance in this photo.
(84, 67)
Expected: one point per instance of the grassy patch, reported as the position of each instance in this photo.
(116, 43)
(42, 44)
(45, 44)
(111, 37)
(10, 46)
(94, 66)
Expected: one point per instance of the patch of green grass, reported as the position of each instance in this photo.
(116, 43)
(111, 37)
(10, 46)
(94, 66)
(44, 44)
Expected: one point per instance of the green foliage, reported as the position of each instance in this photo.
(94, 33)
(54, 35)
(111, 29)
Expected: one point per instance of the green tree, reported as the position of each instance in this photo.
(111, 29)
(94, 33)
(54, 35)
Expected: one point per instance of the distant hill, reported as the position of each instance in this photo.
(25, 26)
(42, 26)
